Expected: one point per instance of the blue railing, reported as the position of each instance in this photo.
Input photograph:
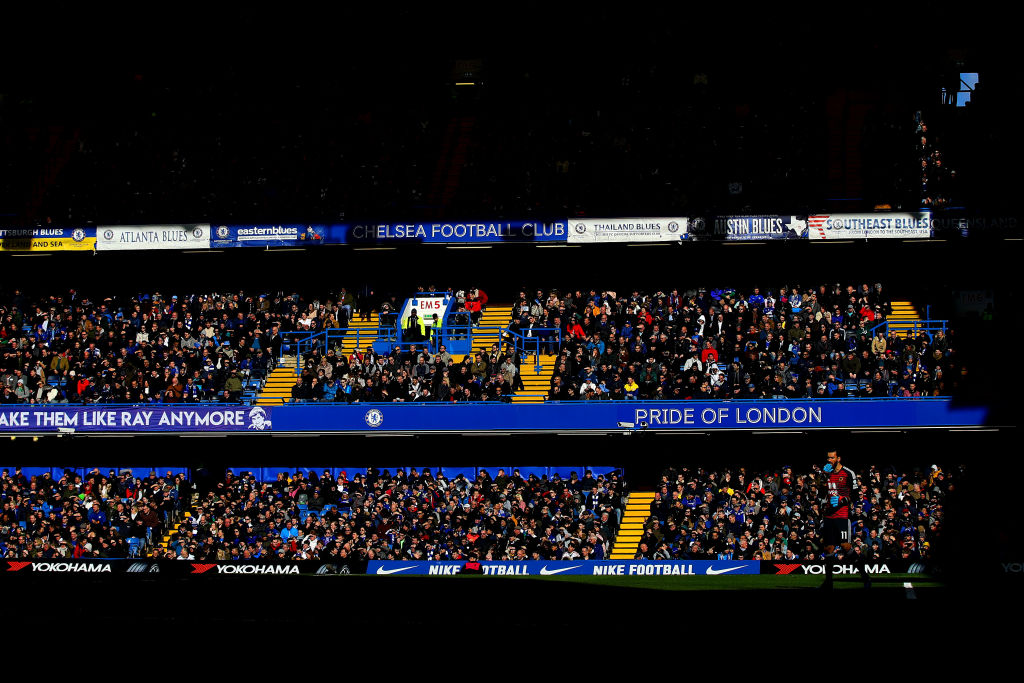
(916, 327)
(543, 338)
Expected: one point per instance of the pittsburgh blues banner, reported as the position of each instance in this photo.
(141, 418)
(48, 239)
(758, 228)
(576, 416)
(845, 226)
(594, 230)
(580, 568)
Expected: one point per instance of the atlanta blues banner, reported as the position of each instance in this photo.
(132, 237)
(581, 568)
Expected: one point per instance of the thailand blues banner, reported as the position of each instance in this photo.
(846, 226)
(603, 230)
(665, 568)
(295, 235)
(48, 239)
(141, 418)
(758, 228)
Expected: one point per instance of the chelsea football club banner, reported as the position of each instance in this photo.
(47, 239)
(846, 226)
(759, 228)
(142, 418)
(667, 568)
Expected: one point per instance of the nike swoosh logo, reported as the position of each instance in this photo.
(544, 571)
(716, 572)
(381, 570)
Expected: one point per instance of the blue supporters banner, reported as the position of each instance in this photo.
(385, 234)
(570, 568)
(48, 239)
(142, 418)
(759, 228)
(285, 235)
(422, 418)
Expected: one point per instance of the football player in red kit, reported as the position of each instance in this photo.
(841, 483)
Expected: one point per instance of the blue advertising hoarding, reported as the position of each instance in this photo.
(423, 418)
(665, 568)
(383, 234)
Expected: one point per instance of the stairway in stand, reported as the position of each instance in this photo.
(278, 389)
(904, 311)
(638, 511)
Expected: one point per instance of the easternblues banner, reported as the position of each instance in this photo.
(284, 235)
(142, 418)
(846, 226)
(758, 228)
(569, 568)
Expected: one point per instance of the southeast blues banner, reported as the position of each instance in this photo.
(759, 228)
(570, 568)
(845, 226)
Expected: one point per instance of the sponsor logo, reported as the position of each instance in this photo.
(16, 566)
(544, 571)
(381, 570)
(916, 568)
(846, 569)
(258, 419)
(197, 232)
(374, 418)
(139, 568)
(1008, 567)
(201, 568)
(257, 569)
(223, 232)
(70, 567)
(786, 568)
(710, 571)
(78, 234)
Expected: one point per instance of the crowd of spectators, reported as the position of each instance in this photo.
(748, 514)
(790, 342)
(108, 515)
(937, 180)
(150, 347)
(405, 515)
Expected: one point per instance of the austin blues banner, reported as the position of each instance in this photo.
(142, 418)
(759, 228)
(667, 568)
(846, 226)
(576, 416)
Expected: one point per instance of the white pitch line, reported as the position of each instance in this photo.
(911, 595)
